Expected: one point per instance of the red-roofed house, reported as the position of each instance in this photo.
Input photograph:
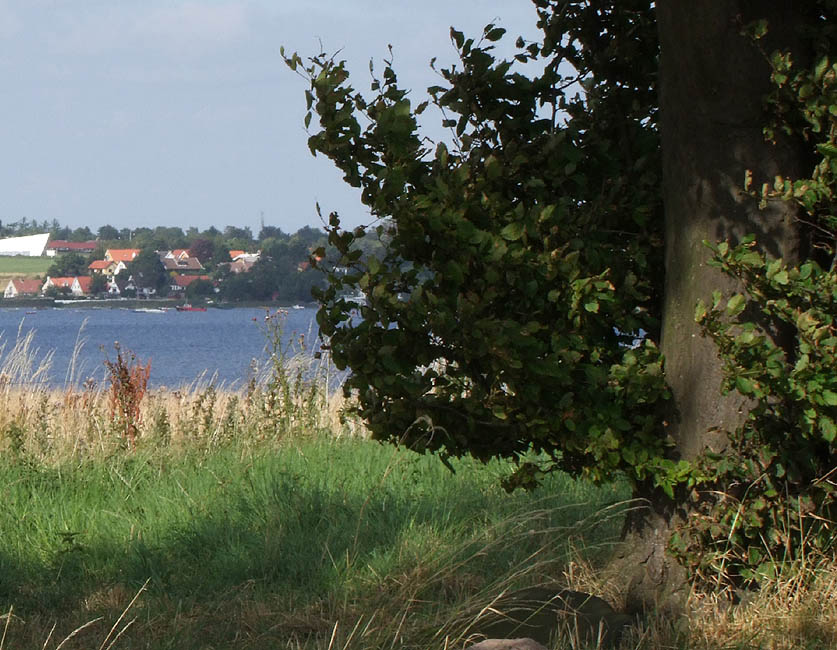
(121, 257)
(81, 286)
(181, 263)
(20, 287)
(63, 246)
(102, 266)
(78, 286)
(180, 282)
(121, 254)
(58, 283)
(243, 262)
(234, 254)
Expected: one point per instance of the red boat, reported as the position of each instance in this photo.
(188, 307)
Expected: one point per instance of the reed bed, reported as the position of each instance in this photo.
(290, 393)
(203, 517)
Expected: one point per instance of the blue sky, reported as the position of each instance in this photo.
(147, 113)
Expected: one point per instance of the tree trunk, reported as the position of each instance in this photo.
(712, 85)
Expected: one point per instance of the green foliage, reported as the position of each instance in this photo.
(495, 322)
(770, 497)
(767, 499)
(148, 271)
(68, 265)
(98, 284)
(200, 289)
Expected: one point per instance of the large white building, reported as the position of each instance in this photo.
(28, 246)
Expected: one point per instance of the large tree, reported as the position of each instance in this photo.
(148, 272)
(538, 294)
(68, 264)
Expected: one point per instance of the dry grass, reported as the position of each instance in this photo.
(53, 425)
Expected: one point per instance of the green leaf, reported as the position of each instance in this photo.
(592, 306)
(827, 428)
(513, 231)
(827, 149)
(492, 168)
(820, 68)
(745, 386)
(499, 412)
(829, 397)
(736, 304)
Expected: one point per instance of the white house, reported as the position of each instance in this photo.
(20, 287)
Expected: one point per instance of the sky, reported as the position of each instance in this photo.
(181, 112)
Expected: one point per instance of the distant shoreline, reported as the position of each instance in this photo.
(131, 303)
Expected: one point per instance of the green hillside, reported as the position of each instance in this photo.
(16, 266)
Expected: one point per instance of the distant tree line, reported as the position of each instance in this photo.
(283, 272)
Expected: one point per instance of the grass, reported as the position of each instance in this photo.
(265, 519)
(16, 266)
(321, 529)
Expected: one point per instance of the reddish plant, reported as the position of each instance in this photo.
(128, 384)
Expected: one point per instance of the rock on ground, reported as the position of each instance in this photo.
(507, 644)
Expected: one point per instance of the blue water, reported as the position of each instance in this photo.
(182, 346)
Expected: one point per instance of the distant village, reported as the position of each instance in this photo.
(275, 267)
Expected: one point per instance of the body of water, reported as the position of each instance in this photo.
(182, 346)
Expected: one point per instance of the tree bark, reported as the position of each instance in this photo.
(713, 81)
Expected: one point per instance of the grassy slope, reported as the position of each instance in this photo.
(272, 544)
(25, 267)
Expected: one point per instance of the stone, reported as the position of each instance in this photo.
(507, 644)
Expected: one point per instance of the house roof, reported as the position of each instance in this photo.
(97, 265)
(234, 254)
(26, 285)
(61, 282)
(242, 265)
(64, 245)
(182, 264)
(185, 280)
(84, 281)
(122, 254)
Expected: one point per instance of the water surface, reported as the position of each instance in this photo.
(182, 346)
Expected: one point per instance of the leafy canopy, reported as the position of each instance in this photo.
(525, 253)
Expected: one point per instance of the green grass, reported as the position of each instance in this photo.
(280, 543)
(16, 265)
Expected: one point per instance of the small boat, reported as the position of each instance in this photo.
(299, 306)
(151, 310)
(188, 307)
